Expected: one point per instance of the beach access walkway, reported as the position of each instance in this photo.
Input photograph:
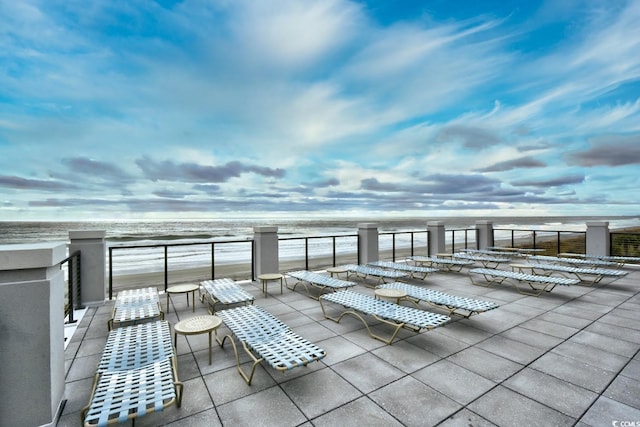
(569, 357)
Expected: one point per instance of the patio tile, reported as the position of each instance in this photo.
(564, 320)
(339, 349)
(607, 343)
(227, 385)
(438, 343)
(574, 371)
(632, 370)
(463, 330)
(560, 395)
(466, 418)
(406, 356)
(454, 381)
(510, 349)
(208, 418)
(625, 390)
(489, 365)
(360, 412)
(368, 372)
(553, 329)
(270, 407)
(577, 311)
(194, 400)
(604, 411)
(504, 407)
(413, 403)
(591, 355)
(534, 338)
(320, 392)
(617, 330)
(83, 367)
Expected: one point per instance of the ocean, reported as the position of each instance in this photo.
(159, 232)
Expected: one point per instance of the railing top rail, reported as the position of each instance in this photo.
(539, 231)
(404, 232)
(161, 245)
(329, 236)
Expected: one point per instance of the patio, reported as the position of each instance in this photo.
(568, 357)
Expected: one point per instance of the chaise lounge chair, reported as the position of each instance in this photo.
(465, 307)
(449, 264)
(223, 291)
(394, 315)
(581, 262)
(380, 274)
(135, 306)
(485, 260)
(321, 281)
(538, 283)
(264, 337)
(589, 276)
(414, 271)
(136, 375)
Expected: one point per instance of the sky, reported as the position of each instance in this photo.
(212, 108)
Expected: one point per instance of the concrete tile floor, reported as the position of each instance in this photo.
(569, 357)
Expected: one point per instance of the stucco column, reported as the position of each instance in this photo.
(485, 233)
(92, 249)
(31, 333)
(598, 242)
(265, 239)
(368, 242)
(436, 237)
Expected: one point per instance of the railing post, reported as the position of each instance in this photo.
(598, 242)
(368, 242)
(436, 239)
(32, 364)
(485, 233)
(91, 245)
(266, 250)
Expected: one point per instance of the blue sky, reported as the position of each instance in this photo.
(207, 108)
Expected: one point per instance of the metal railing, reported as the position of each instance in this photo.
(466, 232)
(409, 249)
(552, 242)
(624, 243)
(314, 250)
(165, 248)
(74, 286)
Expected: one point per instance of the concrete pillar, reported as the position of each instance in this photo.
(92, 249)
(436, 234)
(485, 233)
(368, 242)
(598, 242)
(31, 333)
(265, 240)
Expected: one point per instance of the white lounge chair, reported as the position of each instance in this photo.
(465, 307)
(394, 315)
(538, 283)
(135, 306)
(380, 274)
(223, 291)
(265, 338)
(485, 260)
(414, 271)
(589, 276)
(320, 281)
(449, 264)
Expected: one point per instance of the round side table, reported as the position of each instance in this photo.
(392, 294)
(337, 271)
(184, 289)
(265, 278)
(197, 325)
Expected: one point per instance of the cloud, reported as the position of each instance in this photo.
(95, 168)
(608, 150)
(523, 162)
(554, 182)
(168, 170)
(470, 137)
(34, 184)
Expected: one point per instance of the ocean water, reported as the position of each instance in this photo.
(160, 232)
